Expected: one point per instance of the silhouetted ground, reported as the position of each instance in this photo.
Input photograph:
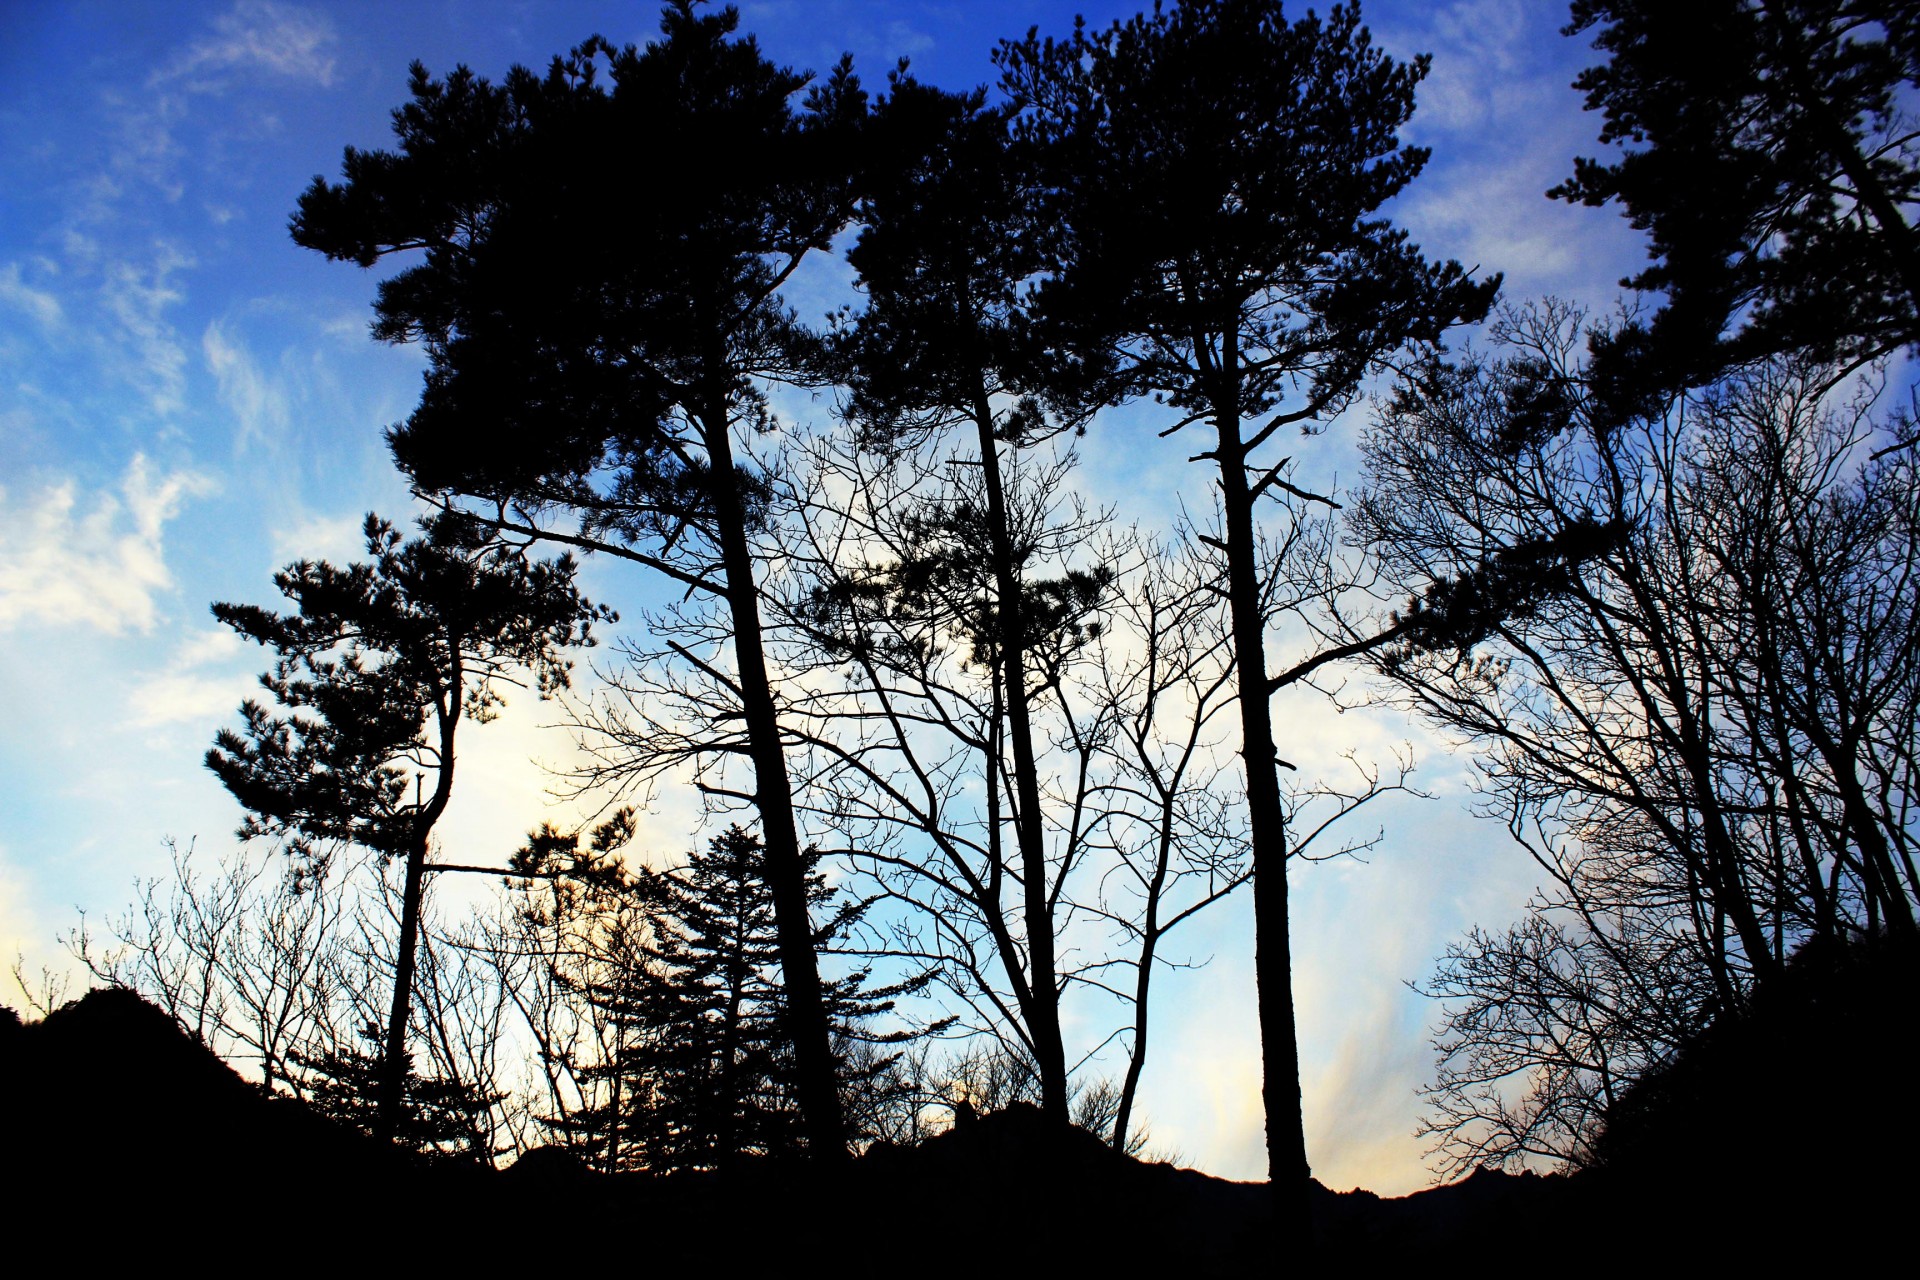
(124, 1137)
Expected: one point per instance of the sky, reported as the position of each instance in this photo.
(189, 401)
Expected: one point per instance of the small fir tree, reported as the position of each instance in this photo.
(701, 1069)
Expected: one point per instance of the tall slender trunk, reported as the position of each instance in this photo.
(1287, 1169)
(987, 892)
(1043, 1013)
(727, 1136)
(392, 1086)
(1142, 982)
(393, 1062)
(807, 1024)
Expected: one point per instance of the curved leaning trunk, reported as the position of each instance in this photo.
(393, 1060)
(392, 1087)
(815, 1080)
(1043, 1010)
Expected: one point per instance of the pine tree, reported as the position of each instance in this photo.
(440, 1117)
(377, 667)
(598, 291)
(1216, 179)
(1767, 149)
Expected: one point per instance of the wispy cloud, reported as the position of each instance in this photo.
(906, 40)
(1479, 47)
(258, 404)
(256, 35)
(143, 152)
(255, 38)
(137, 298)
(99, 564)
(1499, 112)
(1359, 1128)
(41, 306)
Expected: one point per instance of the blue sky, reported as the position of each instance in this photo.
(188, 401)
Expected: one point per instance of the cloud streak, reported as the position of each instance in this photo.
(258, 405)
(42, 307)
(138, 300)
(256, 35)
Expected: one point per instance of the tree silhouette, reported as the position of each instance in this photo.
(699, 1070)
(948, 237)
(911, 764)
(1770, 157)
(1217, 174)
(598, 333)
(1704, 733)
(441, 1117)
(377, 667)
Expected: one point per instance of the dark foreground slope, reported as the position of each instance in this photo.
(124, 1137)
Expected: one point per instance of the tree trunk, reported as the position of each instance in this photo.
(393, 1062)
(1043, 1014)
(814, 1077)
(392, 1086)
(1137, 1060)
(1287, 1169)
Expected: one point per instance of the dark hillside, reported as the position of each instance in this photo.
(1795, 1103)
(125, 1135)
(118, 1125)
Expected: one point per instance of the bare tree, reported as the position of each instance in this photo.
(1220, 175)
(1685, 650)
(281, 967)
(896, 639)
(1546, 1024)
(905, 732)
(247, 960)
(1172, 822)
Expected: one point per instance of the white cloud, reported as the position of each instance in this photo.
(42, 306)
(257, 403)
(337, 539)
(101, 566)
(259, 35)
(1499, 219)
(190, 697)
(350, 328)
(208, 676)
(215, 644)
